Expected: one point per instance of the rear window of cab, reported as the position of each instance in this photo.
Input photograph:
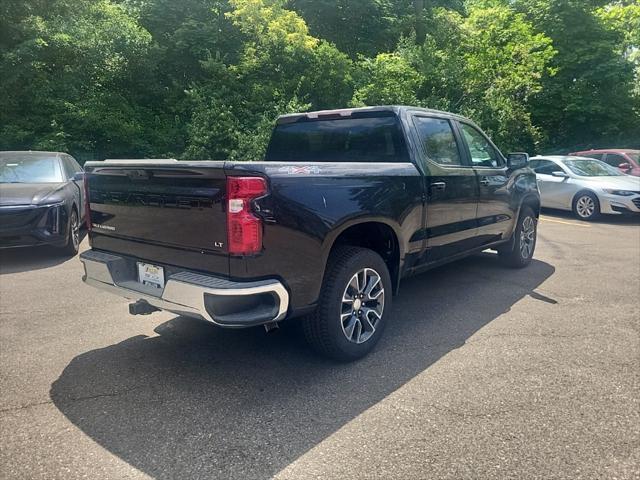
(368, 139)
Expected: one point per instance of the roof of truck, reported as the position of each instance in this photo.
(347, 112)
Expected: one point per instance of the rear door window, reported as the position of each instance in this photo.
(438, 141)
(372, 139)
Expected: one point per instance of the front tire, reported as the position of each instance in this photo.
(586, 206)
(353, 305)
(519, 251)
(73, 235)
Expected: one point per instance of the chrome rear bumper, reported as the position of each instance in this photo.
(221, 301)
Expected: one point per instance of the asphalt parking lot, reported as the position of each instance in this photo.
(483, 372)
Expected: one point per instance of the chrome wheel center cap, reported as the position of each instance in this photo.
(357, 303)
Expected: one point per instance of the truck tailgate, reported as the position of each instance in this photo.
(152, 209)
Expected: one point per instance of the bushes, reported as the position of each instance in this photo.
(206, 78)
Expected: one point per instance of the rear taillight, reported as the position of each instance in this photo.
(244, 229)
(87, 205)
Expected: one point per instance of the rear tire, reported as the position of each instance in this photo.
(586, 206)
(353, 305)
(519, 251)
(73, 235)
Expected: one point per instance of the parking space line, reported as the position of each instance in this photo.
(547, 219)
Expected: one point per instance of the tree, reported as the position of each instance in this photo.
(625, 19)
(356, 27)
(281, 69)
(485, 65)
(504, 60)
(589, 100)
(206, 78)
(386, 80)
(61, 66)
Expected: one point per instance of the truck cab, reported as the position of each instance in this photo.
(344, 205)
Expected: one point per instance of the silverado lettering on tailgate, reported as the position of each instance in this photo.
(150, 199)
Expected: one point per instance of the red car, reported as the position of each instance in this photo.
(628, 161)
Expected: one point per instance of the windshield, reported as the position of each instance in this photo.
(635, 156)
(592, 168)
(18, 168)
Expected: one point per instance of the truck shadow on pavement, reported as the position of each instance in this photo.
(201, 402)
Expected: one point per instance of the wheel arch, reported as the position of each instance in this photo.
(377, 234)
(582, 191)
(532, 201)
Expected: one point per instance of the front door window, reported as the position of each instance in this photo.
(482, 152)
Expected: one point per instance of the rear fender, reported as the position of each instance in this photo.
(330, 241)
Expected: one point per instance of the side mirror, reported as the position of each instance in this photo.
(624, 166)
(517, 160)
(78, 176)
(559, 174)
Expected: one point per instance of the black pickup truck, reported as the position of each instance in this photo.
(345, 205)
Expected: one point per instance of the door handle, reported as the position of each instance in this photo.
(484, 181)
(438, 186)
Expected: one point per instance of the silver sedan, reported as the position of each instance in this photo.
(586, 186)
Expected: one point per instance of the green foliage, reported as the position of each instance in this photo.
(206, 78)
(386, 80)
(589, 101)
(62, 76)
(625, 19)
(356, 27)
(236, 105)
(504, 61)
(328, 81)
(485, 65)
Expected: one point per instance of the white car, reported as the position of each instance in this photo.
(586, 186)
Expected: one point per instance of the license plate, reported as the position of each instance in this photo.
(151, 275)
